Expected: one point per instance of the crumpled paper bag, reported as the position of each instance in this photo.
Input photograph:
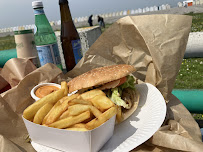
(16, 69)
(13, 132)
(154, 45)
(3, 82)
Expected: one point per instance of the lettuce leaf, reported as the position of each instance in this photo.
(130, 83)
(117, 92)
(115, 97)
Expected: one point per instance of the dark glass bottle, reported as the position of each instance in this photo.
(70, 39)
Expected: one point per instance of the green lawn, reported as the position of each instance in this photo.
(190, 75)
(197, 22)
(7, 43)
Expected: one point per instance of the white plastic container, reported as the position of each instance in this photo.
(71, 141)
(40, 85)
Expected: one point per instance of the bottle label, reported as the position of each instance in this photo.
(76, 45)
(38, 11)
(49, 54)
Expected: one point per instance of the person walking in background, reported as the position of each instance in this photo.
(90, 20)
(101, 21)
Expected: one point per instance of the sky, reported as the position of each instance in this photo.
(20, 12)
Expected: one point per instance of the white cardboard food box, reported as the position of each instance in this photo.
(73, 141)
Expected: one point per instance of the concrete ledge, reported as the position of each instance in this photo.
(195, 45)
(88, 36)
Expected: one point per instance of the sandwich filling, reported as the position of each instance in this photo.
(122, 93)
(115, 81)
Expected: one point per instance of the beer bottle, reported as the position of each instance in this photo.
(70, 39)
(45, 38)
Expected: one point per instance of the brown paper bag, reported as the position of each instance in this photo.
(3, 82)
(16, 69)
(155, 45)
(12, 103)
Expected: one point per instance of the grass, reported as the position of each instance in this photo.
(197, 22)
(190, 75)
(7, 42)
(106, 27)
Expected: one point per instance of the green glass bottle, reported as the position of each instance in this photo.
(45, 38)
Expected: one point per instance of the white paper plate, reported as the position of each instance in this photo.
(138, 128)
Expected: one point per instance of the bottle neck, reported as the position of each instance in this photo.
(65, 12)
(39, 11)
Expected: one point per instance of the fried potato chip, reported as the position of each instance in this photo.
(75, 110)
(102, 102)
(51, 111)
(91, 94)
(95, 111)
(119, 115)
(65, 87)
(89, 119)
(42, 112)
(64, 115)
(57, 110)
(102, 118)
(79, 101)
(53, 97)
(69, 121)
(78, 109)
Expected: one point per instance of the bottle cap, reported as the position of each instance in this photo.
(37, 4)
(63, 1)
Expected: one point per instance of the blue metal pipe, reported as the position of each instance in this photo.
(5, 55)
(191, 99)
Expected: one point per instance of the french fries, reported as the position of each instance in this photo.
(53, 97)
(91, 94)
(79, 101)
(78, 109)
(101, 102)
(101, 119)
(75, 110)
(65, 87)
(69, 121)
(51, 111)
(119, 115)
(78, 112)
(79, 125)
(58, 109)
(42, 112)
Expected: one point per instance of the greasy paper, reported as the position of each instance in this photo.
(154, 45)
